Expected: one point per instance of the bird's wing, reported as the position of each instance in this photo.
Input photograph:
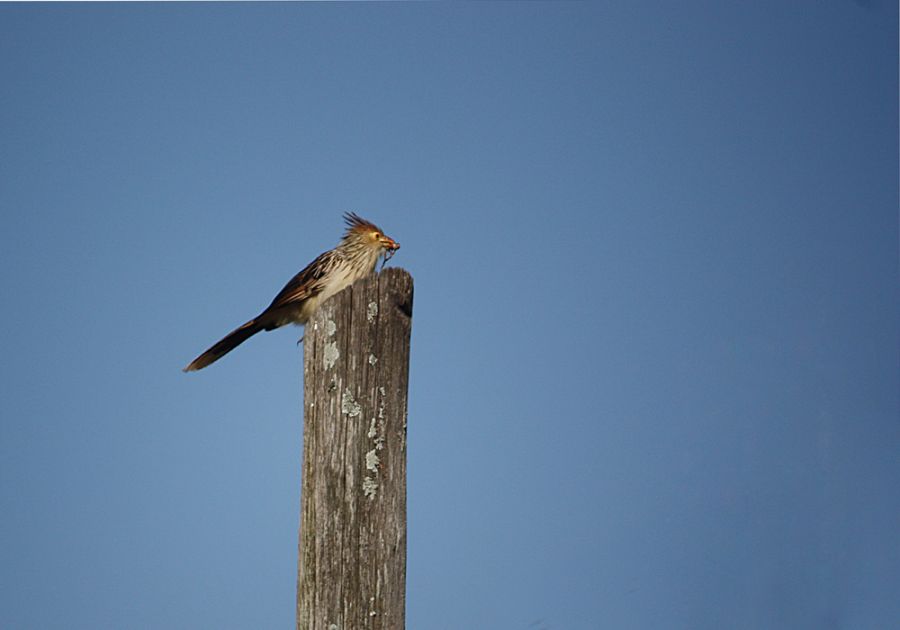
(305, 284)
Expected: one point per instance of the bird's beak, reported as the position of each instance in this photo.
(390, 244)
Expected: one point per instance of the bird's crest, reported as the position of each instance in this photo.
(356, 224)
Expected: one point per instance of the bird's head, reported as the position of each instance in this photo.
(366, 233)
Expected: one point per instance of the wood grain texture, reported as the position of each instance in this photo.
(352, 551)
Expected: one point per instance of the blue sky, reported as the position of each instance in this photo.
(654, 371)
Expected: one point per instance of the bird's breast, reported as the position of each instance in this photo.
(341, 277)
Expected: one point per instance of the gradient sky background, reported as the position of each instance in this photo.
(654, 378)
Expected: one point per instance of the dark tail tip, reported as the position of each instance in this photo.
(231, 341)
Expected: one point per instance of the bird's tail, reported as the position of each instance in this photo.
(231, 341)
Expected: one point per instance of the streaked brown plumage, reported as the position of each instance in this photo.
(354, 257)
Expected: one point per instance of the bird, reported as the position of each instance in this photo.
(355, 257)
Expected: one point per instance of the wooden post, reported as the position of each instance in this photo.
(352, 566)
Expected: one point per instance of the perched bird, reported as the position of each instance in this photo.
(353, 258)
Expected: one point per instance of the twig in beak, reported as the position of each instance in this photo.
(387, 256)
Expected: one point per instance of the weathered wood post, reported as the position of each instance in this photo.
(352, 560)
